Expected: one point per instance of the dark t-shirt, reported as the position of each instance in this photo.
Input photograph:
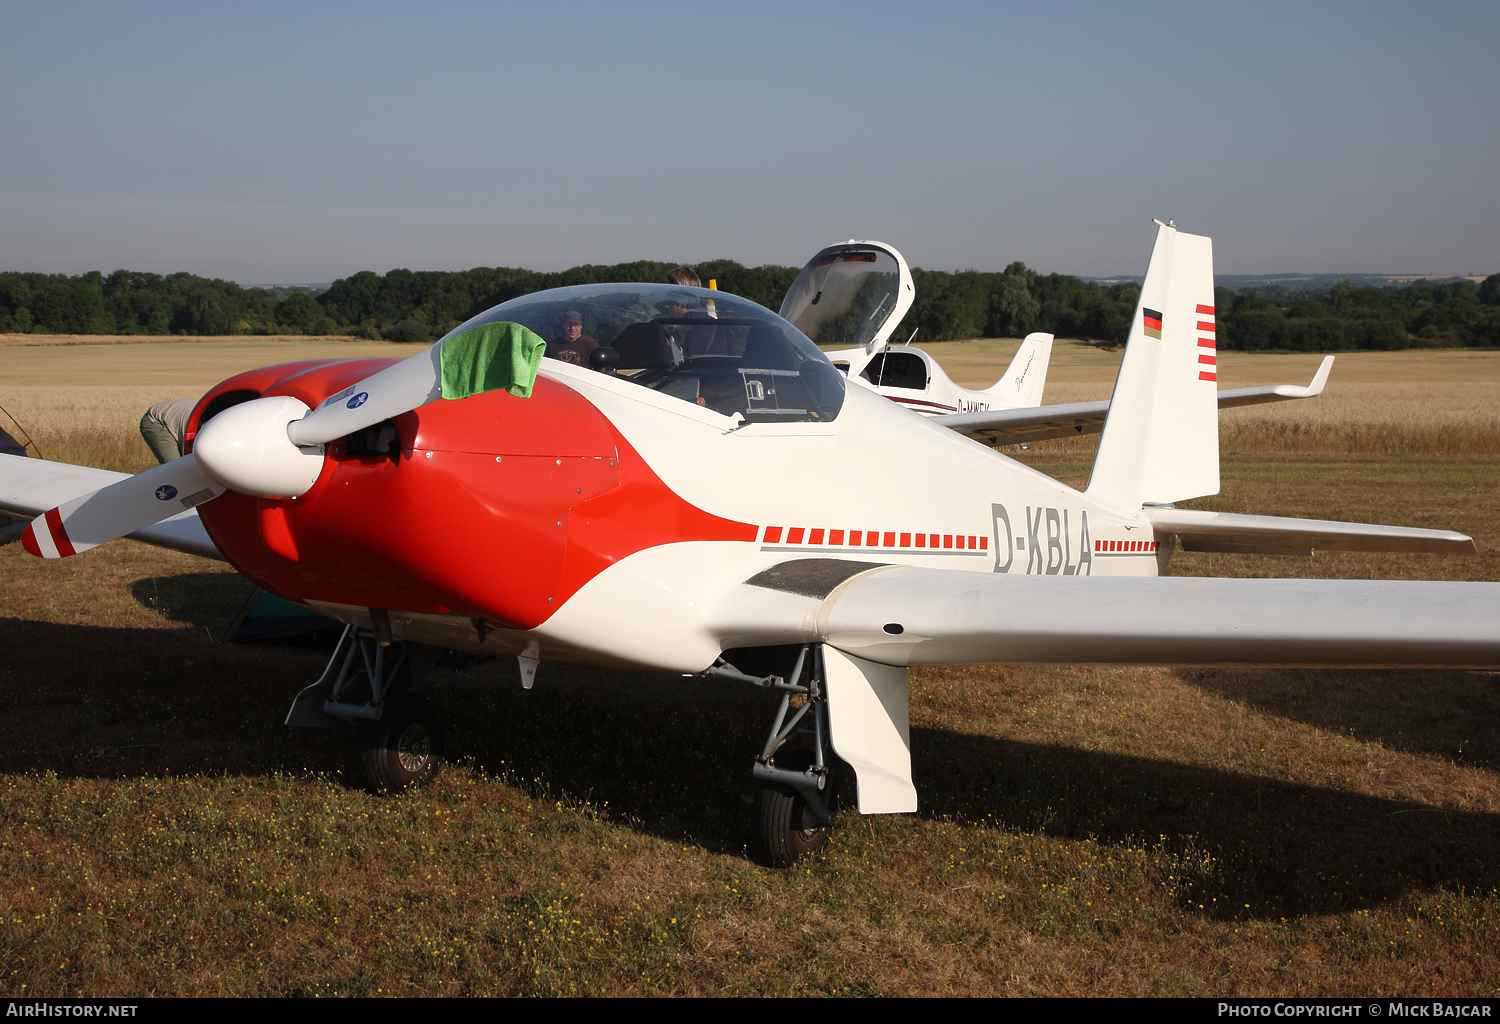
(576, 352)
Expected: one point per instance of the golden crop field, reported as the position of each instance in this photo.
(1438, 401)
(1083, 830)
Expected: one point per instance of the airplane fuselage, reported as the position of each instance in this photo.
(597, 516)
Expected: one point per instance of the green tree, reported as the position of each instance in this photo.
(1013, 309)
(299, 310)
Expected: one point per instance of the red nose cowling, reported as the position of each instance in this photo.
(495, 507)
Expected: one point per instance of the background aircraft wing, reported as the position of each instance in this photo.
(1021, 426)
(1042, 423)
(903, 615)
(1198, 530)
(1232, 398)
(30, 487)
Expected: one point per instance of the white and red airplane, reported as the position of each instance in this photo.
(720, 500)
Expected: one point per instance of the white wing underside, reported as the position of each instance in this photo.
(30, 487)
(903, 615)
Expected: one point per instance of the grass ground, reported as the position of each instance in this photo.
(1095, 831)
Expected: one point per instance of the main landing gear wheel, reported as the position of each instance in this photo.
(404, 747)
(785, 827)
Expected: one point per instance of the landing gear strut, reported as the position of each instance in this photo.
(374, 686)
(793, 795)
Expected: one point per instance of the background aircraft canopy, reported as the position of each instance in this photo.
(850, 294)
(716, 350)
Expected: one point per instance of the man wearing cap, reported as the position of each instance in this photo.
(574, 346)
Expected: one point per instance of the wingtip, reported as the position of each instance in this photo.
(28, 540)
(1321, 377)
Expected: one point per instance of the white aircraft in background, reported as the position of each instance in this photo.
(726, 503)
(855, 294)
(859, 291)
(910, 377)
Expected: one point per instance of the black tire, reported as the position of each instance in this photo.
(785, 828)
(404, 747)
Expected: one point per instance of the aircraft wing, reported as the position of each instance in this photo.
(904, 615)
(1042, 423)
(875, 620)
(1022, 426)
(31, 487)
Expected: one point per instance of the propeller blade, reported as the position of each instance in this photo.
(485, 358)
(121, 508)
(395, 390)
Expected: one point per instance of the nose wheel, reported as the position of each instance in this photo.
(372, 686)
(404, 747)
(793, 795)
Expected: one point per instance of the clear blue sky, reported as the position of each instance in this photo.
(303, 142)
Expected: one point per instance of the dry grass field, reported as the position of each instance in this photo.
(1083, 831)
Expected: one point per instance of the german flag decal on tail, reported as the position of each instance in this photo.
(1153, 323)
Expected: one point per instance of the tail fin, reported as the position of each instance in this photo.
(1161, 438)
(1022, 383)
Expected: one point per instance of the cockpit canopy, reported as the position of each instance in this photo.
(850, 294)
(715, 350)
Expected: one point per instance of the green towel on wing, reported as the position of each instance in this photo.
(491, 357)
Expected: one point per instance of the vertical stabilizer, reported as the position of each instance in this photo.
(1026, 376)
(1161, 439)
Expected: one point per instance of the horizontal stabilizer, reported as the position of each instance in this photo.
(911, 616)
(1226, 531)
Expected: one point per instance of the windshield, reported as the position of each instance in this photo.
(715, 350)
(844, 297)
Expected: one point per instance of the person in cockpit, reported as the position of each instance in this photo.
(572, 346)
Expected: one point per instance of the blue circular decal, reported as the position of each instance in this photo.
(166, 492)
(358, 400)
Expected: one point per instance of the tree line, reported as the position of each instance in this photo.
(405, 305)
(1346, 317)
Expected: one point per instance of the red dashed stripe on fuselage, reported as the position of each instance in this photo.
(802, 538)
(1113, 548)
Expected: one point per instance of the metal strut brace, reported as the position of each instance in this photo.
(811, 782)
(338, 698)
(372, 659)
